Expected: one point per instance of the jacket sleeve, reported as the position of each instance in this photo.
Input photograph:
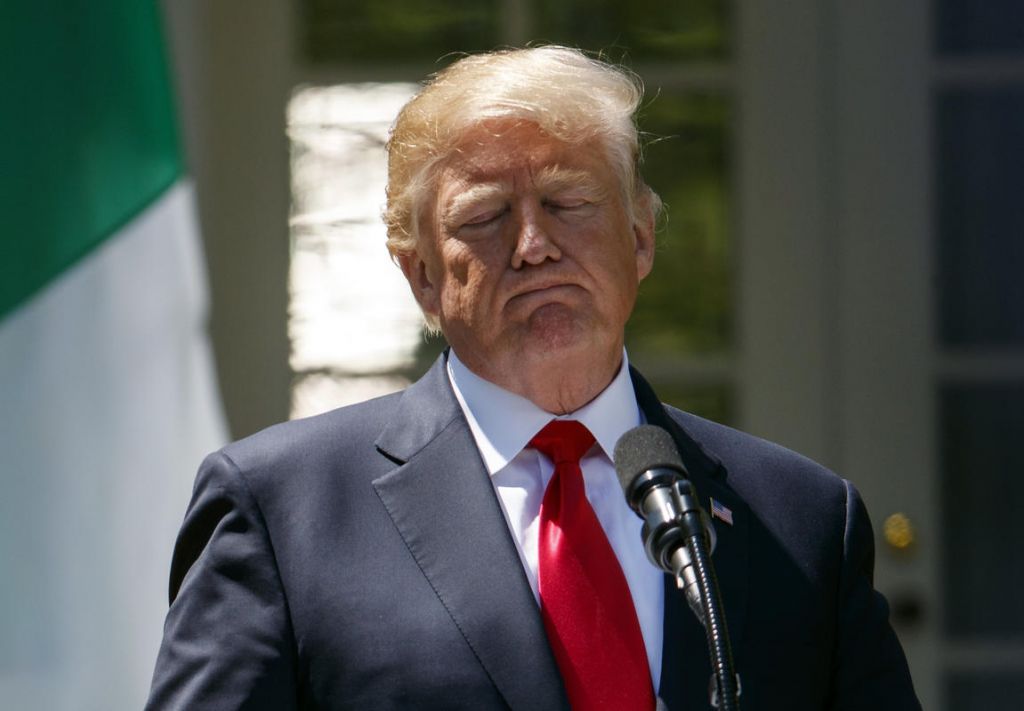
(228, 642)
(871, 669)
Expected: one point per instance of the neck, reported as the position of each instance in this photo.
(555, 384)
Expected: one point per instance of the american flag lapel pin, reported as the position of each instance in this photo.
(720, 511)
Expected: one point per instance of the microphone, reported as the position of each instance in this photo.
(658, 489)
(678, 538)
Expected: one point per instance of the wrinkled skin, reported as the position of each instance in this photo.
(529, 259)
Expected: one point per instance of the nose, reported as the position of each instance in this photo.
(533, 242)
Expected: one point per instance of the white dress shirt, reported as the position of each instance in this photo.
(504, 423)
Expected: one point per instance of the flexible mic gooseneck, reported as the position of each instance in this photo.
(678, 538)
(658, 489)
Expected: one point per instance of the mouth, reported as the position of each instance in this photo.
(543, 286)
(544, 292)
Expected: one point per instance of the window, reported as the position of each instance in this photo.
(352, 324)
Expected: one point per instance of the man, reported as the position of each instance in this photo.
(434, 548)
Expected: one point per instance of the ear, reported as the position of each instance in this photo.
(643, 241)
(424, 289)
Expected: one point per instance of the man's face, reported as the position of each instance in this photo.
(527, 255)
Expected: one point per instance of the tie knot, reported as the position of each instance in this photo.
(563, 440)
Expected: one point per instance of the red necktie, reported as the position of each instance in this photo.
(585, 601)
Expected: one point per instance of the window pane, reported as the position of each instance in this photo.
(985, 692)
(686, 305)
(313, 393)
(354, 327)
(644, 29)
(980, 156)
(982, 490)
(712, 402)
(397, 30)
(973, 27)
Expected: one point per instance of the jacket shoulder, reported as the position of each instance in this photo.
(757, 468)
(327, 440)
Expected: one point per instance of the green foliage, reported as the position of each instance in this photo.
(686, 305)
(712, 402)
(646, 29)
(395, 31)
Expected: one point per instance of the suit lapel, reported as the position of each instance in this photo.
(686, 668)
(445, 508)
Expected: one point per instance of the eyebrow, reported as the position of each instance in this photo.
(557, 179)
(473, 195)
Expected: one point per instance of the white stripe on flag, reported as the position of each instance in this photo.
(109, 403)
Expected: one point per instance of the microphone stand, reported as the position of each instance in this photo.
(678, 538)
(724, 686)
(695, 574)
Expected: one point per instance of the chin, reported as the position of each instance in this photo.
(557, 327)
(574, 348)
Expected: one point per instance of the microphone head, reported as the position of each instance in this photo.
(642, 449)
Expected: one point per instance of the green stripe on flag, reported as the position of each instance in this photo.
(87, 130)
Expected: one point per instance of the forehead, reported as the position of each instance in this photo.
(498, 151)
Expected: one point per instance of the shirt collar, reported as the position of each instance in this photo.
(503, 423)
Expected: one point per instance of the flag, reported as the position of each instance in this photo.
(721, 511)
(107, 394)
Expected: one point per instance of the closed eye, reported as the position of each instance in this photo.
(566, 204)
(570, 206)
(485, 218)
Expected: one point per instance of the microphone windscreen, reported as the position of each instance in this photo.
(643, 448)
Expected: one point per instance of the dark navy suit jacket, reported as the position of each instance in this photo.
(360, 560)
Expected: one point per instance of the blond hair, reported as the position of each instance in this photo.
(567, 94)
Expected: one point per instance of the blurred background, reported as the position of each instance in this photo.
(839, 271)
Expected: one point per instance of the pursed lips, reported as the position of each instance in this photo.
(544, 288)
